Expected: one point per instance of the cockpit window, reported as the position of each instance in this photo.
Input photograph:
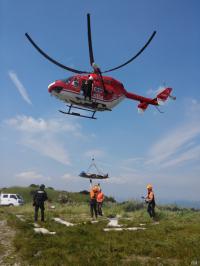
(75, 82)
(68, 80)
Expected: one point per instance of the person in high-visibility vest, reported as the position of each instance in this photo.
(100, 199)
(93, 199)
(150, 200)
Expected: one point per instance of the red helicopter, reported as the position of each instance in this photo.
(91, 91)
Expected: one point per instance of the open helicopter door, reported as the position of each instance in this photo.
(91, 174)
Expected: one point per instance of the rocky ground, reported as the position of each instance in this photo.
(6, 245)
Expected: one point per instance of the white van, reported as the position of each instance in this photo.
(11, 199)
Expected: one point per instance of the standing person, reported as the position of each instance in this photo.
(150, 200)
(100, 199)
(89, 86)
(84, 88)
(93, 200)
(39, 198)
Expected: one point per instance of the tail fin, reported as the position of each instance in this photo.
(163, 95)
(160, 99)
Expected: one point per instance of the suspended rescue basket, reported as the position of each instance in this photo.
(91, 175)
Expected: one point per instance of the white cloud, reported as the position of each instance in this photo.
(48, 147)
(128, 178)
(21, 89)
(45, 136)
(29, 175)
(32, 125)
(191, 154)
(132, 160)
(117, 180)
(173, 142)
(68, 177)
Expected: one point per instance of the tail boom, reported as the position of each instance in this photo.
(144, 101)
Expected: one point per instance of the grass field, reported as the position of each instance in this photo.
(174, 241)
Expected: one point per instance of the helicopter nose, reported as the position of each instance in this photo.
(56, 87)
(51, 87)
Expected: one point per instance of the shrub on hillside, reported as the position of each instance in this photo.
(32, 192)
(50, 188)
(34, 185)
(110, 199)
(84, 192)
(63, 198)
(131, 206)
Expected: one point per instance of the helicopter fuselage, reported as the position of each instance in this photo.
(71, 90)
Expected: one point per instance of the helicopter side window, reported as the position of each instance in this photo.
(75, 82)
(68, 80)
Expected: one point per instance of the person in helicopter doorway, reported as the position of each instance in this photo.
(150, 200)
(84, 88)
(93, 199)
(100, 199)
(89, 86)
(39, 198)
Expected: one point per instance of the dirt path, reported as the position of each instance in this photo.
(6, 247)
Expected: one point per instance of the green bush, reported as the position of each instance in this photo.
(131, 206)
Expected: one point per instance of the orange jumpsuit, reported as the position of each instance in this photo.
(100, 198)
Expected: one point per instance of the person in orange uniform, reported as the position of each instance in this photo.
(93, 199)
(100, 199)
(150, 200)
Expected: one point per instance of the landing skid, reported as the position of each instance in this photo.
(70, 112)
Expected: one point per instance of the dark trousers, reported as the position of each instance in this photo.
(37, 207)
(93, 207)
(151, 210)
(89, 91)
(99, 208)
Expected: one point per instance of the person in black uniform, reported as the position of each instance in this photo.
(84, 88)
(39, 198)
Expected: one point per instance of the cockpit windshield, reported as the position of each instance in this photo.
(68, 80)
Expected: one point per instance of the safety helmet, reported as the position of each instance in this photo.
(149, 186)
(95, 188)
(90, 78)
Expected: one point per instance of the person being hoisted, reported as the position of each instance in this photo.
(93, 199)
(150, 200)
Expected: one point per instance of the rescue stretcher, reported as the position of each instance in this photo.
(93, 176)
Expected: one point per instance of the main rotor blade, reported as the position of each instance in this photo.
(98, 71)
(90, 40)
(134, 57)
(52, 60)
(102, 81)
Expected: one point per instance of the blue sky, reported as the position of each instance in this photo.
(40, 145)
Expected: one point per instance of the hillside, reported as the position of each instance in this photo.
(53, 194)
(172, 240)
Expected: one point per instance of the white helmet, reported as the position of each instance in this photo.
(90, 78)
